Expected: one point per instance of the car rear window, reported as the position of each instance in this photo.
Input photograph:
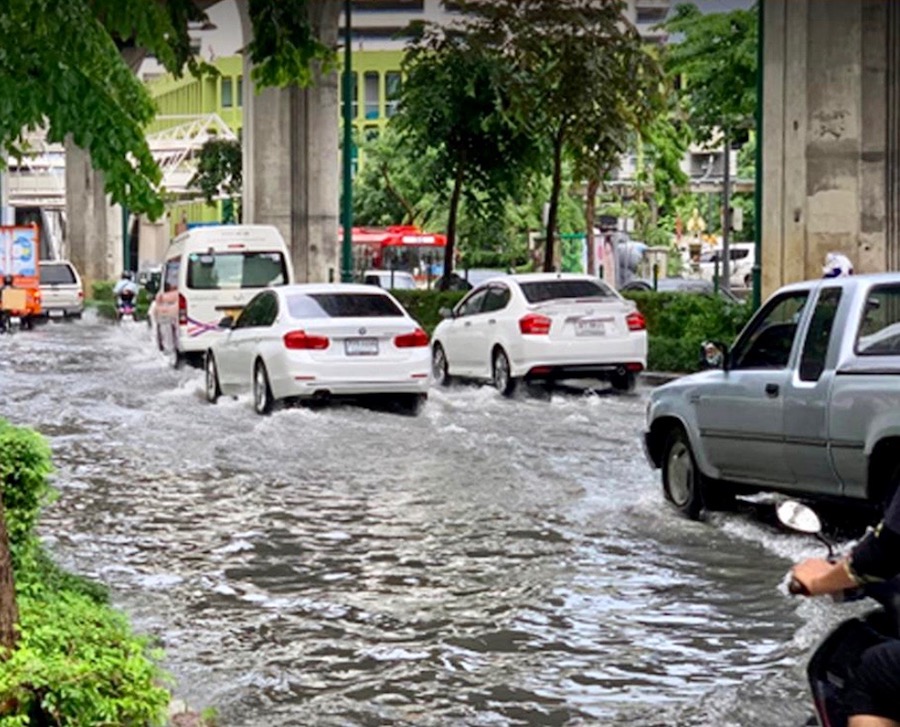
(213, 271)
(57, 275)
(342, 305)
(879, 332)
(544, 290)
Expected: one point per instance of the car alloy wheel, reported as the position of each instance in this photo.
(262, 393)
(681, 478)
(439, 366)
(503, 380)
(212, 380)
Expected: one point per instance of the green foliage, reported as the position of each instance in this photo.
(219, 170)
(677, 323)
(24, 467)
(77, 662)
(581, 78)
(715, 53)
(285, 48)
(425, 305)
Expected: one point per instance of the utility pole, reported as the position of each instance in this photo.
(757, 188)
(347, 196)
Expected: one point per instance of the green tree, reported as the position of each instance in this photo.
(65, 67)
(715, 55)
(452, 103)
(579, 71)
(220, 171)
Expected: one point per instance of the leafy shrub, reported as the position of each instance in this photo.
(678, 323)
(425, 305)
(76, 662)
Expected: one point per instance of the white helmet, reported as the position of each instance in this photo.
(837, 266)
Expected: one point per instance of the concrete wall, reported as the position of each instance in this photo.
(825, 132)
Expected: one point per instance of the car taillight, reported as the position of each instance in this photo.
(80, 295)
(534, 324)
(302, 341)
(636, 321)
(182, 310)
(416, 339)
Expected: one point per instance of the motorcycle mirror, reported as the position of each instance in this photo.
(798, 516)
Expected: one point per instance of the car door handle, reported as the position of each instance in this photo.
(772, 390)
(467, 324)
(492, 321)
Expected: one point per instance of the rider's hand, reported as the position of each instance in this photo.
(808, 571)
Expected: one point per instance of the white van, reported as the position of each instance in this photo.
(210, 273)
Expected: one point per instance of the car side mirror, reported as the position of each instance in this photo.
(227, 323)
(445, 312)
(714, 355)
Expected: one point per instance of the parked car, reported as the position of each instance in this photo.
(320, 341)
(62, 293)
(679, 285)
(541, 327)
(806, 401)
(742, 258)
(390, 279)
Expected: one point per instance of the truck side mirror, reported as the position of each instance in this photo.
(714, 355)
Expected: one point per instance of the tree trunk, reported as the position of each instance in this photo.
(554, 200)
(9, 612)
(590, 209)
(451, 226)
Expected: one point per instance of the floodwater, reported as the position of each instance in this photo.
(489, 562)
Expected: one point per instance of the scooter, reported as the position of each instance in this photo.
(125, 306)
(839, 654)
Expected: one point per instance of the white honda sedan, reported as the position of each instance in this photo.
(315, 341)
(544, 327)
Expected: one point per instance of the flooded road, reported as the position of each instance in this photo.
(489, 562)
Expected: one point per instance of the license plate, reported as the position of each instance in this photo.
(55, 313)
(590, 327)
(361, 346)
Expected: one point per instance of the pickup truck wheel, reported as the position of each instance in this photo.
(682, 480)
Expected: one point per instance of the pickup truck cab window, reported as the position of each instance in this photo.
(815, 347)
(767, 343)
(879, 332)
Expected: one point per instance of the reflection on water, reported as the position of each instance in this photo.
(489, 562)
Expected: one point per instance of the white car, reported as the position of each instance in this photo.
(541, 326)
(741, 256)
(318, 341)
(62, 293)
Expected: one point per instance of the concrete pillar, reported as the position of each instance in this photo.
(89, 220)
(291, 168)
(825, 126)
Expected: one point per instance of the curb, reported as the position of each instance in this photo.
(658, 378)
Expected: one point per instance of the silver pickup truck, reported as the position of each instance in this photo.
(807, 402)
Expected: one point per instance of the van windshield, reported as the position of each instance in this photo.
(216, 270)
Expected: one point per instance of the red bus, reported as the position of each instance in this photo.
(398, 247)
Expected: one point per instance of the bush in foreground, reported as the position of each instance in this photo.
(76, 661)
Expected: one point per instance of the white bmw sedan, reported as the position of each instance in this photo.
(544, 327)
(318, 341)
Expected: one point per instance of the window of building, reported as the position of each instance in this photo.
(227, 93)
(392, 92)
(371, 95)
(651, 15)
(363, 5)
(240, 90)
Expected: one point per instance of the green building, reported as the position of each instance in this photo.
(375, 81)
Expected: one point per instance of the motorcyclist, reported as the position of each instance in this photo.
(873, 695)
(124, 285)
(5, 282)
